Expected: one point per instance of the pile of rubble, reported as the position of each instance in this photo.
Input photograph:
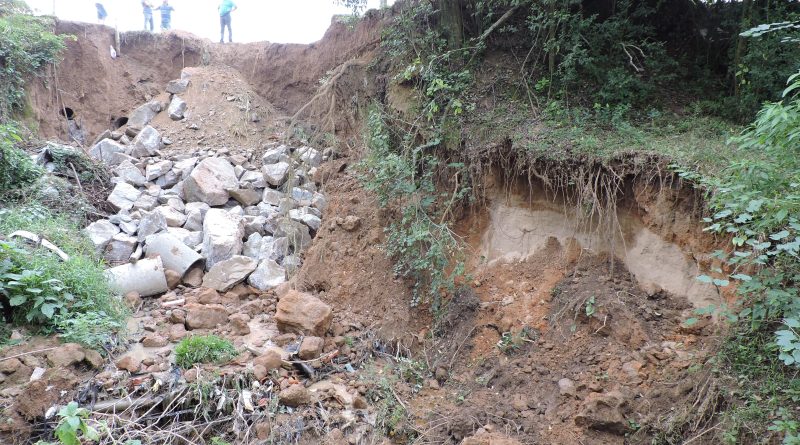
(244, 219)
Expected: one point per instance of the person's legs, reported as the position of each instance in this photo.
(222, 29)
(230, 32)
(151, 23)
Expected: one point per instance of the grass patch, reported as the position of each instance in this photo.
(203, 349)
(768, 392)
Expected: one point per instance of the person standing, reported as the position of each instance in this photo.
(225, 9)
(101, 13)
(166, 15)
(147, 9)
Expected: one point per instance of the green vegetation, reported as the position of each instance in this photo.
(73, 428)
(17, 170)
(27, 44)
(203, 349)
(70, 297)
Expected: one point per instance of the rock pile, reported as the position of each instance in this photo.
(248, 219)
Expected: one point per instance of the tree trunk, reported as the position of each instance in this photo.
(452, 16)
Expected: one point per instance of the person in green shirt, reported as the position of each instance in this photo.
(225, 9)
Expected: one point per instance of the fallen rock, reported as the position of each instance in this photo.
(132, 300)
(297, 233)
(222, 236)
(276, 174)
(150, 224)
(129, 363)
(230, 272)
(144, 114)
(123, 196)
(275, 155)
(177, 86)
(66, 355)
(246, 197)
(205, 316)
(177, 332)
(605, 412)
(153, 171)
(566, 387)
(108, 152)
(177, 108)
(210, 181)
(120, 248)
(303, 313)
(173, 217)
(207, 295)
(194, 277)
(147, 143)
(267, 275)
(239, 324)
(311, 348)
(10, 366)
(173, 278)
(269, 360)
(94, 359)
(294, 396)
(195, 214)
(100, 233)
(130, 174)
(154, 341)
(310, 156)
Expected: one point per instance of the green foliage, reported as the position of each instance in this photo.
(17, 170)
(203, 349)
(424, 247)
(65, 296)
(73, 429)
(27, 44)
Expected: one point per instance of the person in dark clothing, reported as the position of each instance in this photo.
(225, 9)
(101, 13)
(166, 15)
(147, 9)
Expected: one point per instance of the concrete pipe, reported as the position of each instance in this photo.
(144, 276)
(175, 255)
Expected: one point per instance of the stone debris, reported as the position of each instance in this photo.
(299, 312)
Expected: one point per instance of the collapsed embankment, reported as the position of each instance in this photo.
(573, 331)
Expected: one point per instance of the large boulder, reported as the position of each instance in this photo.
(150, 224)
(173, 217)
(228, 273)
(119, 250)
(310, 156)
(147, 143)
(303, 313)
(144, 114)
(222, 236)
(177, 108)
(109, 152)
(268, 275)
(275, 155)
(184, 167)
(307, 216)
(123, 196)
(210, 181)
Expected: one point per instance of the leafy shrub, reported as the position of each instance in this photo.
(46, 291)
(420, 241)
(26, 45)
(203, 349)
(17, 170)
